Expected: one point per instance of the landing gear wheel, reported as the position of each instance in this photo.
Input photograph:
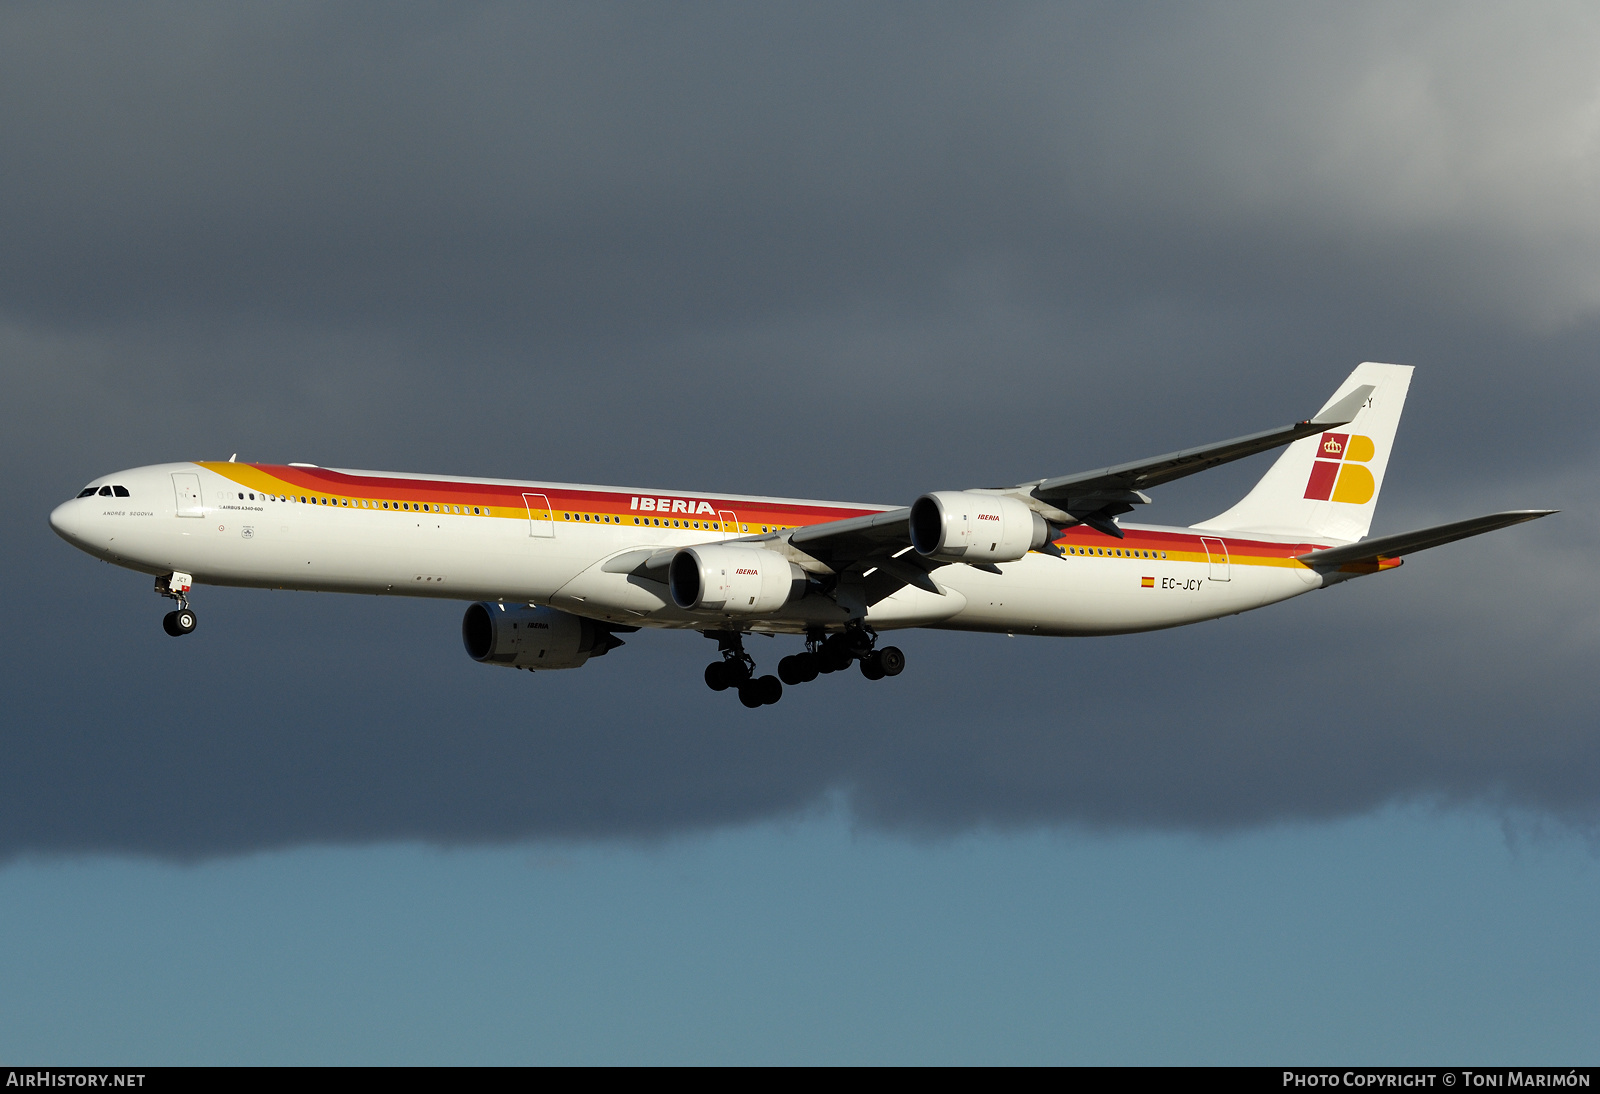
(763, 692)
(717, 676)
(179, 623)
(870, 668)
(798, 669)
(891, 660)
(834, 656)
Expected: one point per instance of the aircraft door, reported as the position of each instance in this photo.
(730, 524)
(187, 488)
(1217, 555)
(541, 521)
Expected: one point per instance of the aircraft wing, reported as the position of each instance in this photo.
(876, 541)
(1374, 551)
(883, 540)
(1111, 490)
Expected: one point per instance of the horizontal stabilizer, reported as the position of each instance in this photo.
(1404, 543)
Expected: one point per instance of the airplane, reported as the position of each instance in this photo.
(555, 571)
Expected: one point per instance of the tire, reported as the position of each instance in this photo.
(748, 696)
(184, 620)
(169, 623)
(808, 666)
(738, 672)
(870, 667)
(891, 660)
(717, 676)
(792, 671)
(834, 656)
(769, 689)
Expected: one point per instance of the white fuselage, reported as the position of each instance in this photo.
(548, 543)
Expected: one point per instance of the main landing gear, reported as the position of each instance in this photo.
(823, 654)
(737, 670)
(176, 586)
(834, 653)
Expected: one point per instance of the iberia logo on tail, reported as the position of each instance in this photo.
(1338, 473)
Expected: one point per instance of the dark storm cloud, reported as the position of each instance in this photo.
(852, 252)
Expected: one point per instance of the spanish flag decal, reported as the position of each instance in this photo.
(1147, 583)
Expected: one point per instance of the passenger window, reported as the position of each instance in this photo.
(120, 491)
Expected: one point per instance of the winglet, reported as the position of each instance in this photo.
(1345, 410)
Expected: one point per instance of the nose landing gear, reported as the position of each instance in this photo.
(178, 623)
(175, 586)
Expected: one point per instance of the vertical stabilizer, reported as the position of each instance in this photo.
(1325, 487)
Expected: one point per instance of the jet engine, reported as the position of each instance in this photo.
(966, 526)
(522, 637)
(735, 579)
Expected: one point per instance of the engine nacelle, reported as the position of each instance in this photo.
(521, 637)
(966, 526)
(733, 578)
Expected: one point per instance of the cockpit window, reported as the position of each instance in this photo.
(87, 492)
(120, 491)
(105, 491)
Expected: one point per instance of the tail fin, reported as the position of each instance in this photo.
(1325, 487)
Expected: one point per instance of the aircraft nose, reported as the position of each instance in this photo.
(67, 519)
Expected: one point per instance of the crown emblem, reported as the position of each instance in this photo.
(1332, 447)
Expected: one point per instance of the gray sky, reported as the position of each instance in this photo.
(850, 253)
